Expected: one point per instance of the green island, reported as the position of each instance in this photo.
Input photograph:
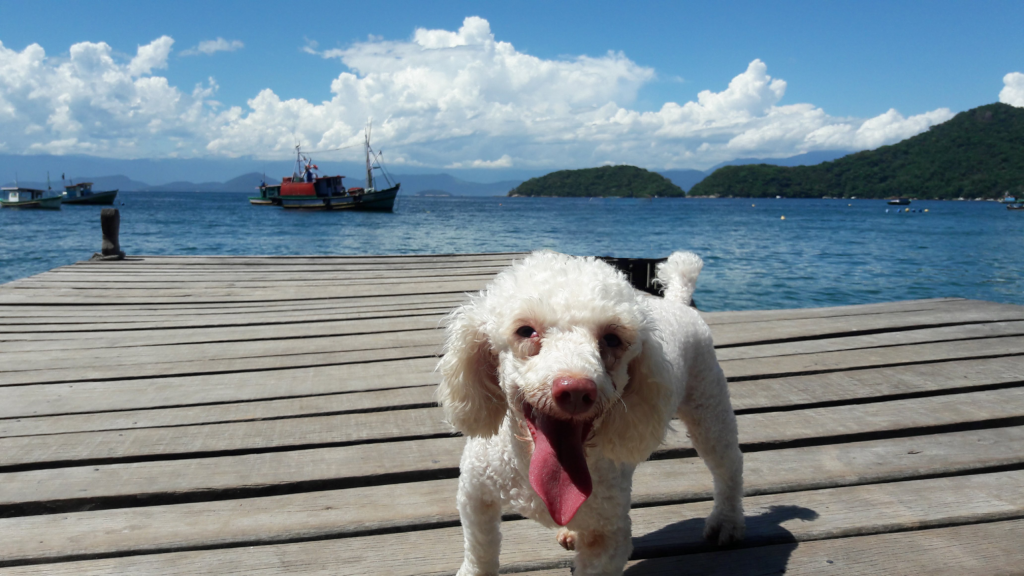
(606, 181)
(976, 154)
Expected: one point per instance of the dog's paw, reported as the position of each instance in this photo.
(566, 539)
(724, 528)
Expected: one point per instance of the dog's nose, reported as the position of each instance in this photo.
(574, 395)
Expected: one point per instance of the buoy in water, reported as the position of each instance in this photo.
(783, 218)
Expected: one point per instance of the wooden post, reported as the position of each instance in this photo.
(110, 223)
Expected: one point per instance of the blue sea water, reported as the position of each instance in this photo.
(824, 253)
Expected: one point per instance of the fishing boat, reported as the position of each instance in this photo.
(19, 197)
(1008, 199)
(306, 190)
(270, 195)
(82, 193)
(899, 202)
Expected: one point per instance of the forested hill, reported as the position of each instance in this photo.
(976, 154)
(623, 181)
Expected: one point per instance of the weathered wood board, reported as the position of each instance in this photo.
(276, 415)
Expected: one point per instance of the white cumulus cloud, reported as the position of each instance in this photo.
(449, 98)
(1013, 89)
(458, 99)
(90, 103)
(152, 55)
(209, 47)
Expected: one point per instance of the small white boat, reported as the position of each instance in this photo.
(19, 197)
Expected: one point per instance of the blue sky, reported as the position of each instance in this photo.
(522, 85)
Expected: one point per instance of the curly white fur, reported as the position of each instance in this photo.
(659, 362)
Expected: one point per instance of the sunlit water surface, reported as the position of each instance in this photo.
(824, 253)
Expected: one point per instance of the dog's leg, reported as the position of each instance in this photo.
(709, 419)
(603, 541)
(480, 512)
(604, 550)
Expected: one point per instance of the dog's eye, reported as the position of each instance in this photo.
(526, 332)
(611, 340)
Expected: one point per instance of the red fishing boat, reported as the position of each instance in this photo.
(307, 190)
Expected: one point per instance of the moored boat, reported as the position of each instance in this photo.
(306, 190)
(82, 193)
(269, 195)
(18, 197)
(899, 202)
(1015, 206)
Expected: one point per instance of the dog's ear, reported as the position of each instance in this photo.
(472, 399)
(634, 427)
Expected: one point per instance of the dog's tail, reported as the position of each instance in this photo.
(679, 276)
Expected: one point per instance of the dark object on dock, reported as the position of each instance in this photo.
(639, 271)
(110, 222)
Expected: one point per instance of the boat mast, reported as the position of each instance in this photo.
(369, 167)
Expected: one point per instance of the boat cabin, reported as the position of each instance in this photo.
(78, 190)
(321, 187)
(18, 194)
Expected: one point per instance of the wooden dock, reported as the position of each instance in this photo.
(227, 415)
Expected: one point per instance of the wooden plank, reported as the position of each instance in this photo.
(145, 262)
(788, 392)
(208, 367)
(105, 396)
(254, 356)
(139, 401)
(773, 519)
(242, 282)
(128, 296)
(214, 478)
(103, 344)
(231, 260)
(733, 316)
(989, 549)
(187, 274)
(811, 329)
(321, 405)
(426, 334)
(822, 362)
(755, 430)
(71, 331)
(342, 513)
(966, 312)
(51, 319)
(900, 338)
(145, 311)
(876, 383)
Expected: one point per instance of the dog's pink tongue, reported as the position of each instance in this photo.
(558, 467)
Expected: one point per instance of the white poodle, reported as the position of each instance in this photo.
(564, 378)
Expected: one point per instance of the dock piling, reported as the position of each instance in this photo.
(110, 223)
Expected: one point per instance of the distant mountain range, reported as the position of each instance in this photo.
(975, 154)
(411, 183)
(687, 179)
